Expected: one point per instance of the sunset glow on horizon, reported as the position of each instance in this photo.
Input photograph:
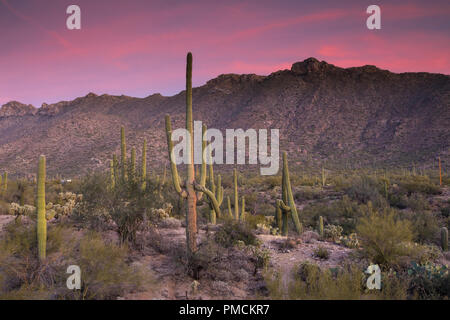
(138, 48)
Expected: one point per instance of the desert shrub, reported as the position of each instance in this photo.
(429, 281)
(308, 193)
(343, 212)
(232, 231)
(265, 209)
(422, 184)
(126, 207)
(321, 253)
(253, 220)
(425, 226)
(383, 235)
(313, 283)
(365, 189)
(105, 273)
(348, 282)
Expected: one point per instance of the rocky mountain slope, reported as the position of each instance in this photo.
(354, 116)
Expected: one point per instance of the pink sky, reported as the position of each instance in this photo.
(138, 48)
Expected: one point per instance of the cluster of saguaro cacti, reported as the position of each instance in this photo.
(191, 190)
(286, 204)
(128, 171)
(236, 215)
(444, 238)
(41, 217)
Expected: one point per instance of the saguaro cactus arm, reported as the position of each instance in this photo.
(211, 197)
(173, 165)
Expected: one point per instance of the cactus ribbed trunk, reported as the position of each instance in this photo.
(444, 238)
(41, 220)
(321, 226)
(236, 196)
(242, 217)
(5, 182)
(144, 165)
(123, 153)
(115, 167)
(440, 172)
(111, 172)
(132, 177)
(230, 213)
(191, 207)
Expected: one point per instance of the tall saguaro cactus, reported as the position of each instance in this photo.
(190, 191)
(236, 195)
(444, 238)
(41, 219)
(144, 165)
(440, 172)
(5, 182)
(286, 204)
(112, 176)
(123, 152)
(132, 177)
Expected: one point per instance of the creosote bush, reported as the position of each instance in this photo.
(233, 231)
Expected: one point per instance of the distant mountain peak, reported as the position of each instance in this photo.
(16, 109)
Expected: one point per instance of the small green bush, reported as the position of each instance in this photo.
(233, 231)
(383, 236)
(321, 253)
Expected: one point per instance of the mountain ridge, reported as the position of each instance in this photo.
(325, 113)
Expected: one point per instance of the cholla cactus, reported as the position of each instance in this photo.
(19, 211)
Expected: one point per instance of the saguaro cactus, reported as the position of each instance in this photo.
(440, 172)
(144, 165)
(218, 193)
(444, 238)
(191, 191)
(321, 226)
(242, 216)
(115, 168)
(123, 152)
(236, 195)
(286, 204)
(5, 182)
(230, 213)
(1, 184)
(133, 165)
(324, 177)
(41, 218)
(112, 176)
